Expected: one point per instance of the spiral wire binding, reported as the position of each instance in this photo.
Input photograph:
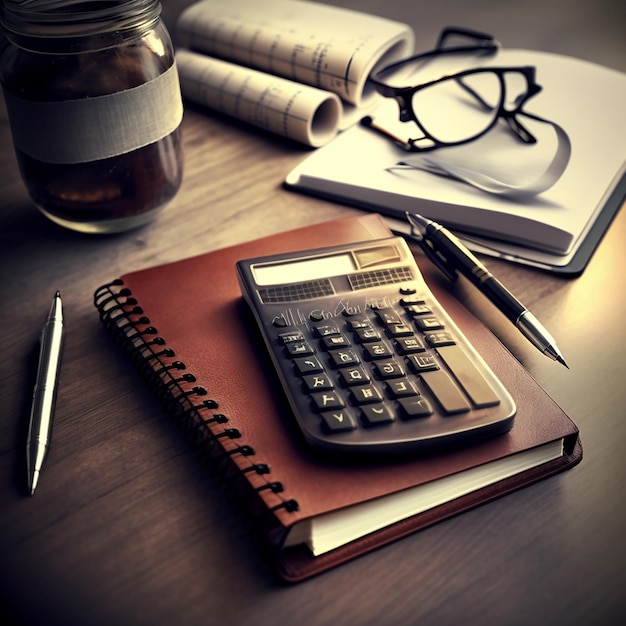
(174, 386)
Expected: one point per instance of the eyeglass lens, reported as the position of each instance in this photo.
(460, 107)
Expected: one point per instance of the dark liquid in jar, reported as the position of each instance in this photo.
(121, 186)
(114, 188)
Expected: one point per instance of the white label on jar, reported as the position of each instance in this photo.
(89, 129)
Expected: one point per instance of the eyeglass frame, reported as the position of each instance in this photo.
(486, 45)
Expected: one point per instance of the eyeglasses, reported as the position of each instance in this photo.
(451, 109)
(457, 108)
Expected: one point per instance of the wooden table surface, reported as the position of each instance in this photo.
(126, 529)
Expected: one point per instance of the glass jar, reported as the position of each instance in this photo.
(95, 109)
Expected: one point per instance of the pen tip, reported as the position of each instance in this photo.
(33, 483)
(561, 360)
(417, 220)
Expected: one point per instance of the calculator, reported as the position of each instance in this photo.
(369, 361)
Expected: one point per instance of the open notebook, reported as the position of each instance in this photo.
(553, 229)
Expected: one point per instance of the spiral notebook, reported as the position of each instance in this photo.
(188, 332)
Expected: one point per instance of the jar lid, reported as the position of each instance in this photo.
(62, 18)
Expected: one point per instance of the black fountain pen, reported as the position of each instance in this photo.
(451, 256)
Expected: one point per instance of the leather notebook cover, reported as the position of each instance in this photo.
(194, 308)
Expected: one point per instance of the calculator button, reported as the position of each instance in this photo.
(353, 376)
(366, 394)
(409, 345)
(419, 308)
(327, 400)
(337, 421)
(317, 382)
(376, 414)
(399, 330)
(415, 407)
(308, 365)
(422, 363)
(367, 334)
(377, 351)
(343, 358)
(388, 316)
(335, 341)
(437, 339)
(425, 323)
(445, 391)
(324, 330)
(298, 348)
(388, 369)
(468, 376)
(291, 336)
(411, 300)
(279, 322)
(359, 320)
(401, 388)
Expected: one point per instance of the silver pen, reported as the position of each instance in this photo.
(44, 394)
(451, 256)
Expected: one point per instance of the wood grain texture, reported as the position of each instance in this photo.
(127, 528)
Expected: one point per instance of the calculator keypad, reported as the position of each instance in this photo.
(368, 359)
(400, 367)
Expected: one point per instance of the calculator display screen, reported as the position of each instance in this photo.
(323, 266)
(303, 269)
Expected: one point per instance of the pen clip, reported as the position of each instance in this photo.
(434, 255)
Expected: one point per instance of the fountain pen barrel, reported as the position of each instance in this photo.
(468, 265)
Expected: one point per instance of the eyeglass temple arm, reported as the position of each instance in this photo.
(519, 129)
(511, 117)
(482, 40)
(481, 43)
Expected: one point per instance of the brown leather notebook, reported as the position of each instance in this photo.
(188, 331)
